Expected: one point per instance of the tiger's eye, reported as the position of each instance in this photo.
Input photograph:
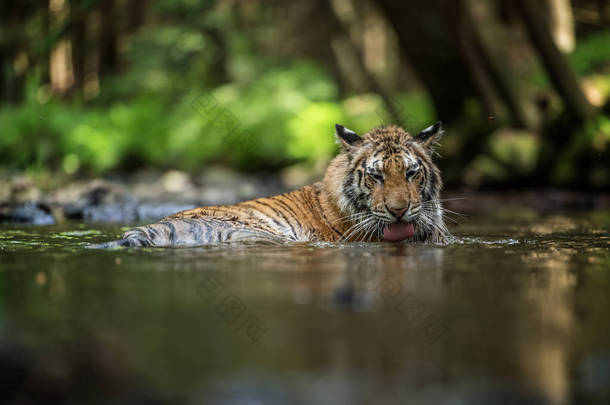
(412, 172)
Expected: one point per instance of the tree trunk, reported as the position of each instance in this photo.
(499, 70)
(60, 60)
(219, 60)
(560, 73)
(108, 37)
(11, 84)
(137, 14)
(562, 24)
(79, 47)
(392, 106)
(3, 76)
(470, 48)
(45, 56)
(432, 50)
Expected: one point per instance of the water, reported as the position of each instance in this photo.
(516, 310)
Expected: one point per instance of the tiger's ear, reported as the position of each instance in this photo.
(430, 136)
(347, 138)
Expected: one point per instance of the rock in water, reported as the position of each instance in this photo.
(29, 213)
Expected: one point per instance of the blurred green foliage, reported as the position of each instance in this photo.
(591, 53)
(195, 89)
(285, 115)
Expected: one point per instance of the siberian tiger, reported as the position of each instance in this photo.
(382, 186)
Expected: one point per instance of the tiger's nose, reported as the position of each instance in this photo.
(398, 212)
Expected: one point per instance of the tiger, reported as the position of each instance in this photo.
(383, 186)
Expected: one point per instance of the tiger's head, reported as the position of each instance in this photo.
(386, 184)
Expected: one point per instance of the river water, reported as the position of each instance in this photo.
(515, 310)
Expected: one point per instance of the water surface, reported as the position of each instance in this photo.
(517, 309)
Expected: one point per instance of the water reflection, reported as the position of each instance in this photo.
(514, 311)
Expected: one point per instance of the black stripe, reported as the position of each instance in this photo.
(195, 230)
(329, 224)
(348, 185)
(321, 211)
(208, 231)
(424, 170)
(278, 212)
(254, 210)
(152, 233)
(289, 197)
(230, 232)
(435, 183)
(359, 177)
(287, 208)
(172, 230)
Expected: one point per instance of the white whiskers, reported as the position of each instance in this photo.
(365, 226)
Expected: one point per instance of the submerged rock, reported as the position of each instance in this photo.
(139, 197)
(28, 213)
(98, 197)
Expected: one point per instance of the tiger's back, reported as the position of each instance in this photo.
(297, 216)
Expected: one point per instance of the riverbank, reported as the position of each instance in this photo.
(148, 196)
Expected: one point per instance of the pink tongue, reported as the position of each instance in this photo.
(398, 231)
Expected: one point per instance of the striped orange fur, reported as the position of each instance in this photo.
(383, 185)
